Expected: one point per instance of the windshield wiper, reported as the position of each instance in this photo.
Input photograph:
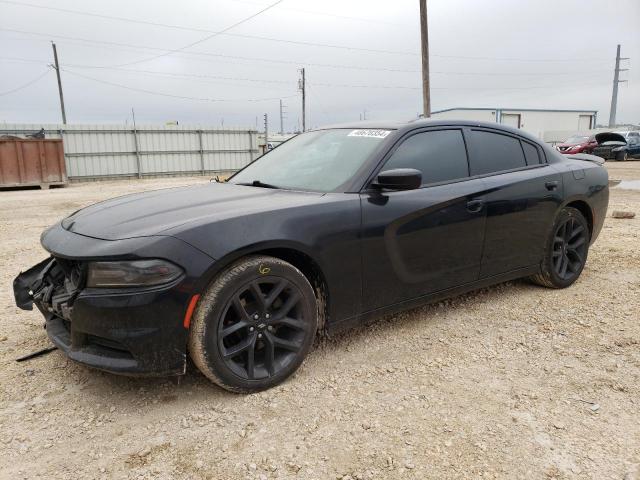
(258, 183)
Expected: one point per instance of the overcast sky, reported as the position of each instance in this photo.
(360, 56)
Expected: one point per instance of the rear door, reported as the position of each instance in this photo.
(424, 240)
(523, 195)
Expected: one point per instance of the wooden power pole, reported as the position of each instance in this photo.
(424, 28)
(57, 69)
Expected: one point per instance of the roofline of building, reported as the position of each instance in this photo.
(515, 110)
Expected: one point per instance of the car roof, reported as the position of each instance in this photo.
(403, 127)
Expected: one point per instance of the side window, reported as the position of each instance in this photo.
(531, 154)
(439, 154)
(493, 152)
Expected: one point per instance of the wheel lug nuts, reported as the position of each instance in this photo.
(267, 315)
(259, 335)
(270, 328)
(251, 329)
(256, 316)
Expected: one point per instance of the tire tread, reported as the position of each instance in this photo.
(196, 344)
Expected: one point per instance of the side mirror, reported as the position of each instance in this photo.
(399, 179)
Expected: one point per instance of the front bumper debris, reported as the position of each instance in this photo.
(133, 332)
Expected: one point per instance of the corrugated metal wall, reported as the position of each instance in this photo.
(107, 151)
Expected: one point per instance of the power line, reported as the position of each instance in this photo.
(339, 66)
(314, 44)
(195, 29)
(24, 60)
(402, 87)
(210, 54)
(28, 84)
(287, 62)
(189, 75)
(162, 94)
(124, 46)
(287, 82)
(208, 37)
(333, 15)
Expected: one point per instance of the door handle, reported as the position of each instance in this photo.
(551, 185)
(474, 206)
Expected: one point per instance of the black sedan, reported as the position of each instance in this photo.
(333, 227)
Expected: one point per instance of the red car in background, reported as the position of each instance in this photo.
(578, 144)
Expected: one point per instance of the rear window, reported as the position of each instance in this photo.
(531, 154)
(493, 152)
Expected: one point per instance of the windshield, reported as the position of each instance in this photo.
(321, 161)
(577, 140)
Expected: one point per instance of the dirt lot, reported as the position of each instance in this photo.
(514, 381)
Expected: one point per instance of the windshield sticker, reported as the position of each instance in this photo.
(370, 133)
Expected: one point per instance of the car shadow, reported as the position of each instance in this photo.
(425, 315)
(105, 388)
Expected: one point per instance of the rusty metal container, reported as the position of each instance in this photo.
(29, 162)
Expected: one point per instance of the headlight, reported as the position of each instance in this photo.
(135, 273)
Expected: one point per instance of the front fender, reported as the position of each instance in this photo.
(327, 232)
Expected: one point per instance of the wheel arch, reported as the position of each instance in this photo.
(291, 252)
(585, 209)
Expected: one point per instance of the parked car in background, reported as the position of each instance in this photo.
(334, 227)
(619, 146)
(578, 144)
(633, 145)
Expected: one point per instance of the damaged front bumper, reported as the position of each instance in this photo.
(135, 331)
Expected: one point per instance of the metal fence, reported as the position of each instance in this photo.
(111, 151)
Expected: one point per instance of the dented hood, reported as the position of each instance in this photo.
(170, 210)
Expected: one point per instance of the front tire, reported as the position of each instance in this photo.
(622, 156)
(254, 325)
(566, 250)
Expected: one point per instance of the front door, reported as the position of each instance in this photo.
(425, 240)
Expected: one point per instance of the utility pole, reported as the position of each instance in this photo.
(282, 116)
(266, 133)
(135, 143)
(616, 81)
(424, 28)
(303, 87)
(56, 67)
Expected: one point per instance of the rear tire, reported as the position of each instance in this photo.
(254, 325)
(565, 251)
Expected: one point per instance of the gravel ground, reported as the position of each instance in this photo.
(513, 381)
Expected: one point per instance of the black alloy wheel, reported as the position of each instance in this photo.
(569, 248)
(263, 328)
(254, 325)
(566, 250)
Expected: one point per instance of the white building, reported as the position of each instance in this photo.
(534, 121)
